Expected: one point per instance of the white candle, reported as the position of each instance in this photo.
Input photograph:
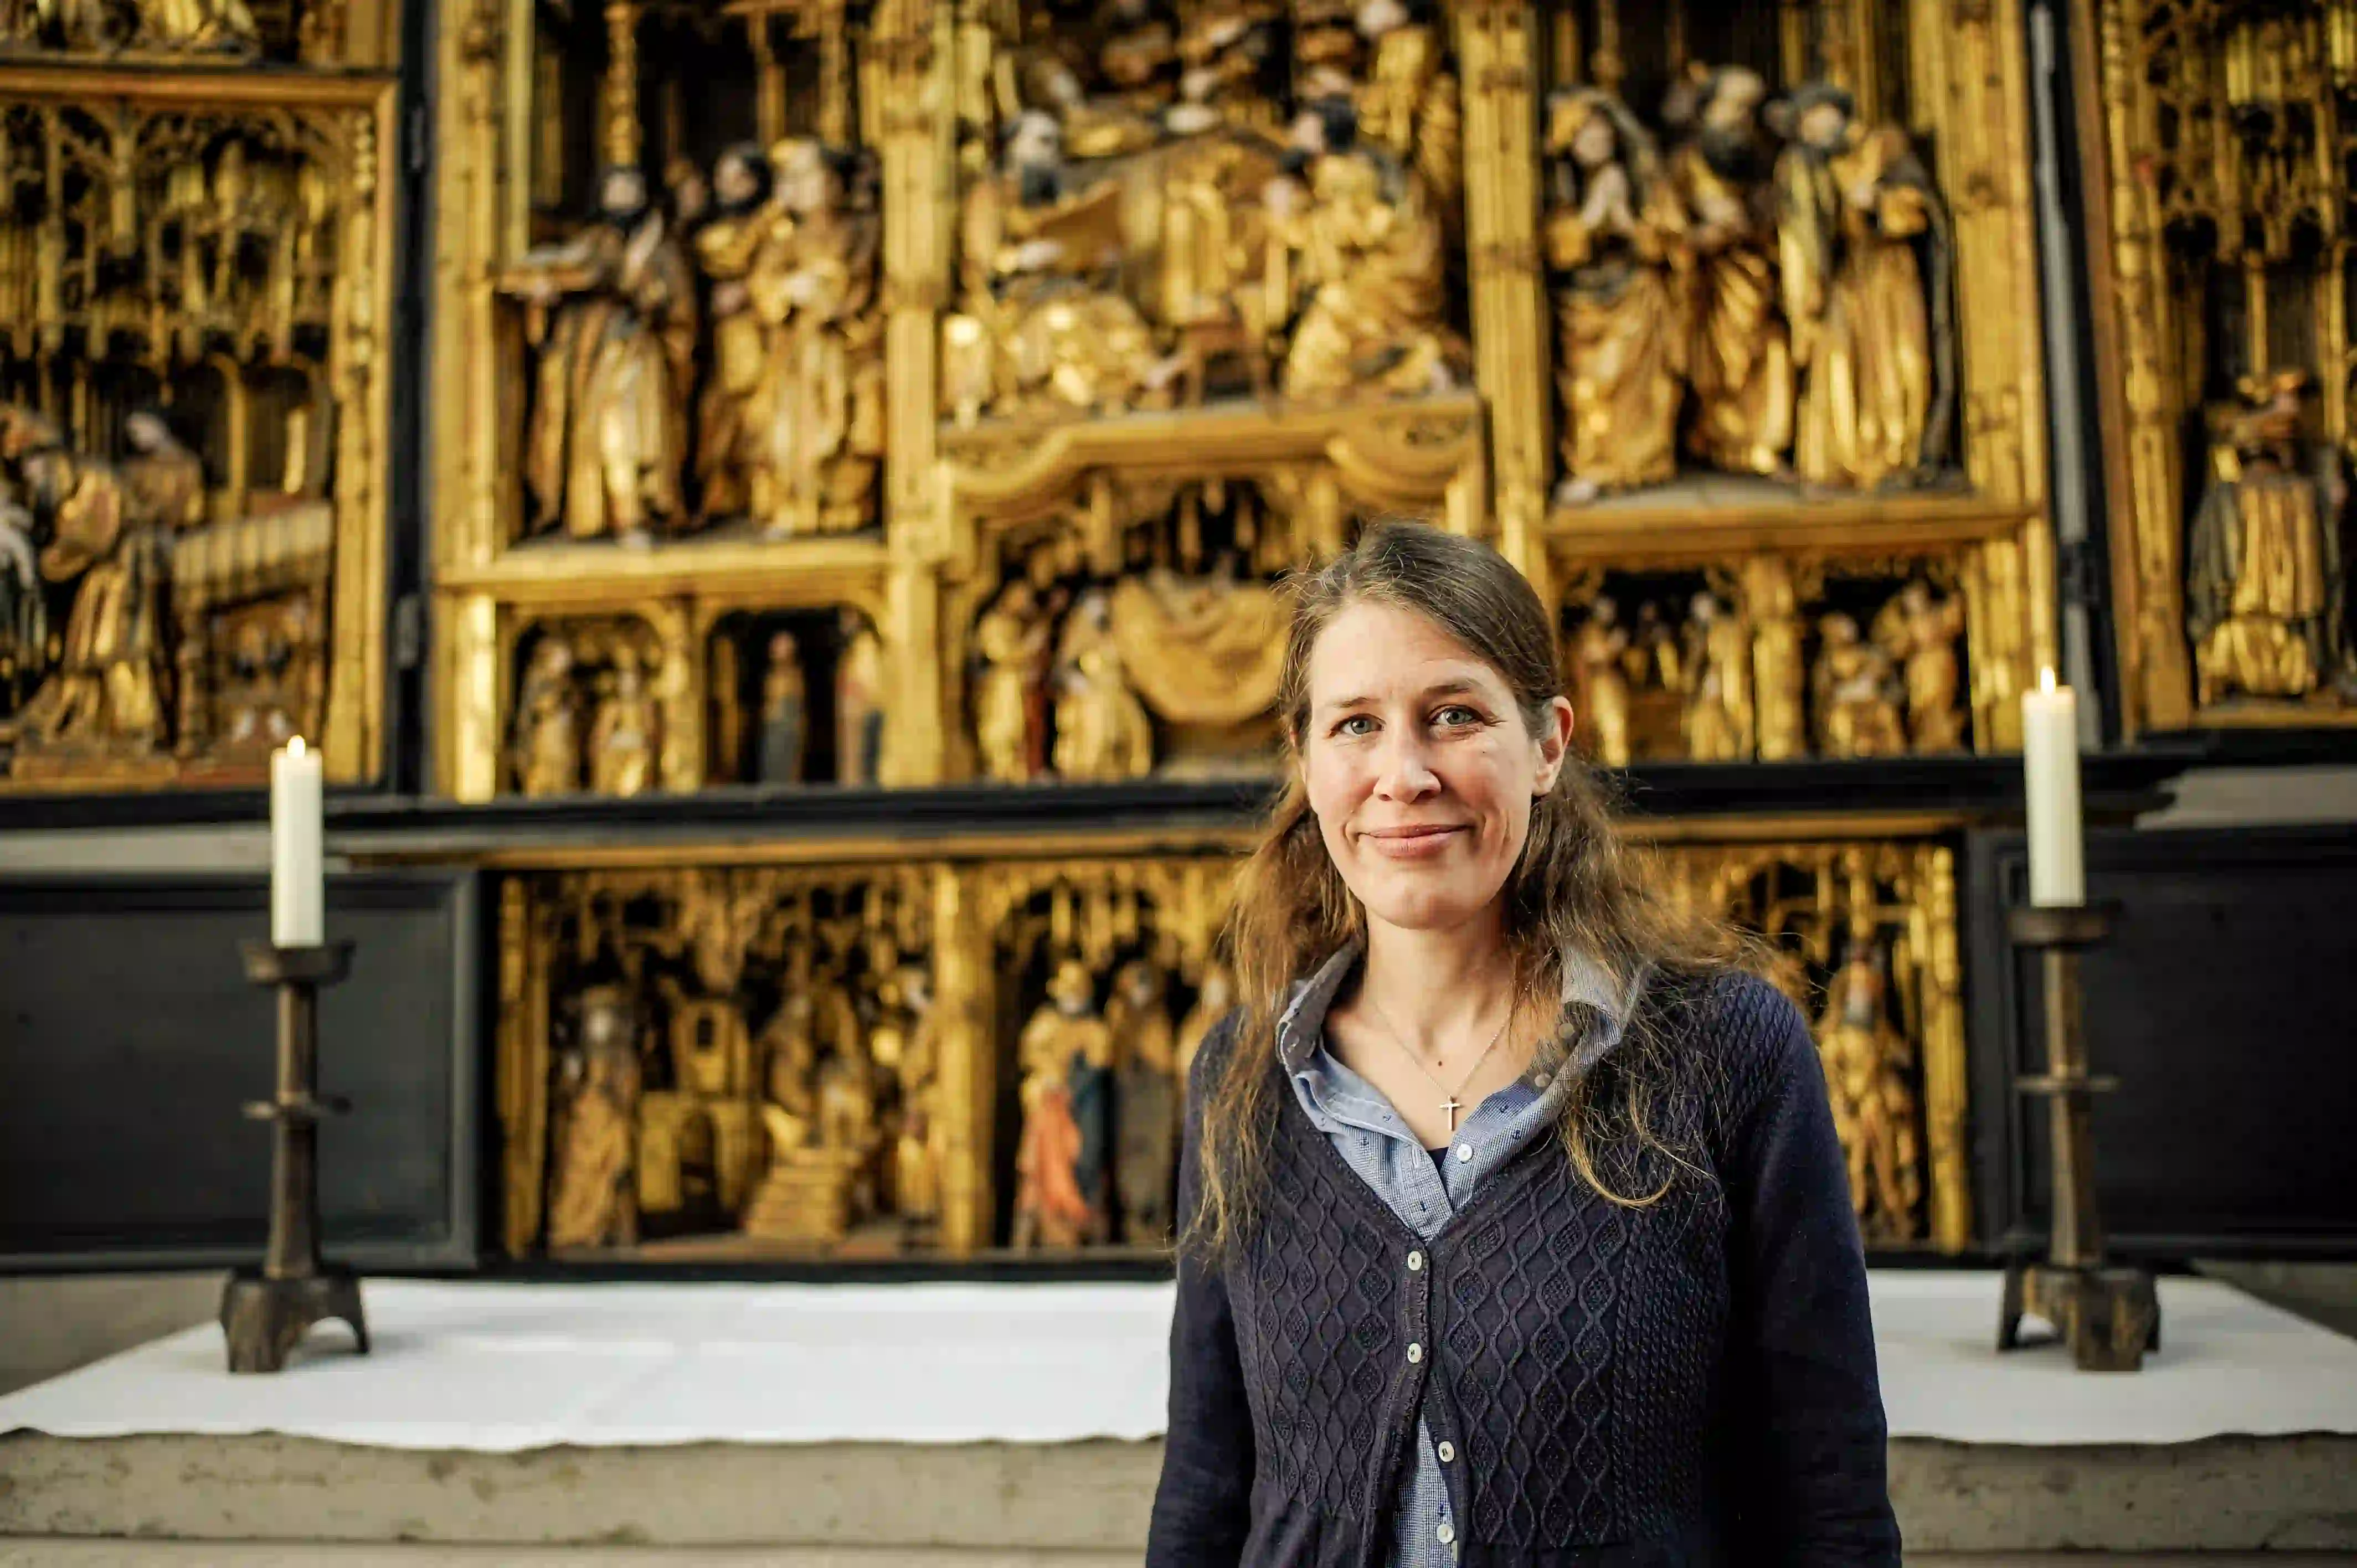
(2049, 760)
(297, 889)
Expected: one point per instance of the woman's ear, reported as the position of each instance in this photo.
(1553, 741)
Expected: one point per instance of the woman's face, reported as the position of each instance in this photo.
(1419, 767)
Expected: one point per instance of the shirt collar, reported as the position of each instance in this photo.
(1588, 992)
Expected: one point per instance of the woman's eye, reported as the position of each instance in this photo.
(1457, 715)
(1356, 725)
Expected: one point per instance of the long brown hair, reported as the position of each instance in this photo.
(1576, 888)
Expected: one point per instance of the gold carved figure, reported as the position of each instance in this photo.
(728, 446)
(2265, 585)
(1779, 668)
(1856, 694)
(1870, 321)
(1214, 1001)
(1610, 228)
(1719, 699)
(1101, 730)
(108, 691)
(1062, 1175)
(625, 737)
(1147, 1102)
(224, 26)
(1011, 641)
(1599, 680)
(546, 748)
(819, 408)
(1407, 104)
(785, 713)
(1036, 328)
(919, 1149)
(1867, 1060)
(859, 696)
(706, 1123)
(1740, 362)
(1920, 628)
(1371, 268)
(612, 315)
(593, 1196)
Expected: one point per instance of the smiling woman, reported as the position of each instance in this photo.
(1584, 1275)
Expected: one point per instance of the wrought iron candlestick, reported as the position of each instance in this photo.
(267, 1312)
(2108, 1315)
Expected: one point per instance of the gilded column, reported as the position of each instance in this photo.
(470, 745)
(1495, 47)
(1946, 1083)
(2158, 678)
(968, 1068)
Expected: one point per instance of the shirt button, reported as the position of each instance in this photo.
(1414, 1354)
(1414, 1262)
(1448, 1452)
(1541, 1080)
(1448, 1533)
(1464, 1153)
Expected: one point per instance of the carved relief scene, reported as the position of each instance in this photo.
(1138, 631)
(694, 335)
(2232, 205)
(1771, 661)
(1750, 257)
(213, 33)
(1166, 202)
(1109, 979)
(1863, 940)
(631, 703)
(718, 1062)
(188, 443)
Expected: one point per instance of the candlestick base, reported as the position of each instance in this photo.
(2109, 1316)
(266, 1310)
(265, 1318)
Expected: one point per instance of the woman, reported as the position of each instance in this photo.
(1518, 1231)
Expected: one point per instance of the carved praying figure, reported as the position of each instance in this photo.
(1865, 1060)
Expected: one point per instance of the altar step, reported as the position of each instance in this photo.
(982, 1505)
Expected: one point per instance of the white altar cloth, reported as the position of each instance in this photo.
(502, 1367)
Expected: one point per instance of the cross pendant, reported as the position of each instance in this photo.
(1451, 1106)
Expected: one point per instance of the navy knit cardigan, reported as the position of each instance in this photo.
(1691, 1382)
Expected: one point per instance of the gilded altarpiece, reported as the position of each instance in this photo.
(2221, 227)
(196, 280)
(878, 1057)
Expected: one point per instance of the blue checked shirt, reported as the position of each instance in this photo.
(1425, 1192)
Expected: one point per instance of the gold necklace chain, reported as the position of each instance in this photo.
(1448, 1103)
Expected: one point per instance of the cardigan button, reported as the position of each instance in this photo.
(1414, 1353)
(1414, 1262)
(1448, 1452)
(1448, 1533)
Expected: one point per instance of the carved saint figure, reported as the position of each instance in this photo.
(1779, 669)
(1855, 688)
(1407, 103)
(607, 442)
(1061, 1164)
(1920, 630)
(625, 735)
(728, 442)
(1871, 323)
(1101, 730)
(1372, 267)
(546, 750)
(1146, 1102)
(784, 712)
(1719, 706)
(1011, 641)
(1866, 1059)
(2266, 590)
(109, 686)
(1599, 680)
(1740, 363)
(919, 1151)
(859, 702)
(1039, 326)
(163, 482)
(1213, 1002)
(1611, 222)
(593, 1196)
(196, 25)
(813, 289)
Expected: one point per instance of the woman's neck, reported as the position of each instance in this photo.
(1436, 985)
